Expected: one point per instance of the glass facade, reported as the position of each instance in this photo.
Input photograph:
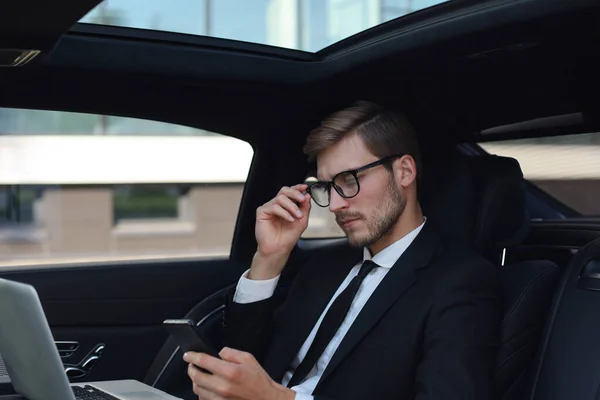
(308, 25)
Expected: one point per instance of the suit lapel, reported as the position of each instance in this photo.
(305, 305)
(400, 277)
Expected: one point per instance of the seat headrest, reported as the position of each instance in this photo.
(501, 218)
(477, 199)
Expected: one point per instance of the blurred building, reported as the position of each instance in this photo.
(96, 197)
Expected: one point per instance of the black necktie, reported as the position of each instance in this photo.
(330, 324)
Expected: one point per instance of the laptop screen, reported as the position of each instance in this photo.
(27, 345)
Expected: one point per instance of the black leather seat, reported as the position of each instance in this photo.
(502, 222)
(567, 364)
(482, 200)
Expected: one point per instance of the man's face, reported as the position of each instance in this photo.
(372, 213)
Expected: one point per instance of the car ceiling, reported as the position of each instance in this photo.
(456, 69)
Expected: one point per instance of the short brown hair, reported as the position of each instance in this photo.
(384, 132)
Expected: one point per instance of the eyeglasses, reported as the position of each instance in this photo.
(345, 183)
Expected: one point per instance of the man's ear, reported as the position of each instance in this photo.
(405, 170)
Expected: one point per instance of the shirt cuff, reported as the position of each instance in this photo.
(250, 290)
(303, 396)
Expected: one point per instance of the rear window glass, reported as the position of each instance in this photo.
(565, 167)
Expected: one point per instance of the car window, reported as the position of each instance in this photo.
(308, 25)
(82, 187)
(567, 168)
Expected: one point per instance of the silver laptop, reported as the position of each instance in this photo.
(32, 359)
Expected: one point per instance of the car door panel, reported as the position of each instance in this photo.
(121, 307)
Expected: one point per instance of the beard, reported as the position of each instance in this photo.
(384, 218)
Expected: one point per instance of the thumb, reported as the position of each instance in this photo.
(237, 356)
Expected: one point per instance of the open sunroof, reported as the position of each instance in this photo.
(308, 25)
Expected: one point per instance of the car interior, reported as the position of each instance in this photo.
(468, 74)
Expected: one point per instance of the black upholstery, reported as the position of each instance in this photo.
(479, 199)
(482, 199)
(566, 367)
(528, 291)
(501, 218)
(502, 221)
(447, 195)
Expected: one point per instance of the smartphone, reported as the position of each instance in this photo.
(185, 332)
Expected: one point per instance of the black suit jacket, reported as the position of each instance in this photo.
(429, 331)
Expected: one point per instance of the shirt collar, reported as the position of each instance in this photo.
(387, 257)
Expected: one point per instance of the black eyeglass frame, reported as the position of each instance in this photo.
(354, 172)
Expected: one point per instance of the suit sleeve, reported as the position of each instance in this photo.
(249, 326)
(462, 338)
(249, 318)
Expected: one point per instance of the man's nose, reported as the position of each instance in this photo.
(336, 202)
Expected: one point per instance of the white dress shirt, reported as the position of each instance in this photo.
(248, 291)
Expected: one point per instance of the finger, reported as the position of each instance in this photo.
(204, 394)
(190, 354)
(187, 357)
(202, 379)
(214, 384)
(196, 375)
(294, 193)
(305, 206)
(278, 211)
(289, 205)
(237, 356)
(301, 187)
(213, 364)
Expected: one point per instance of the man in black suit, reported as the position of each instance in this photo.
(408, 315)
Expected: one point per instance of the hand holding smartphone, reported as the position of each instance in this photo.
(188, 337)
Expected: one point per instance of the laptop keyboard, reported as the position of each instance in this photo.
(88, 392)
